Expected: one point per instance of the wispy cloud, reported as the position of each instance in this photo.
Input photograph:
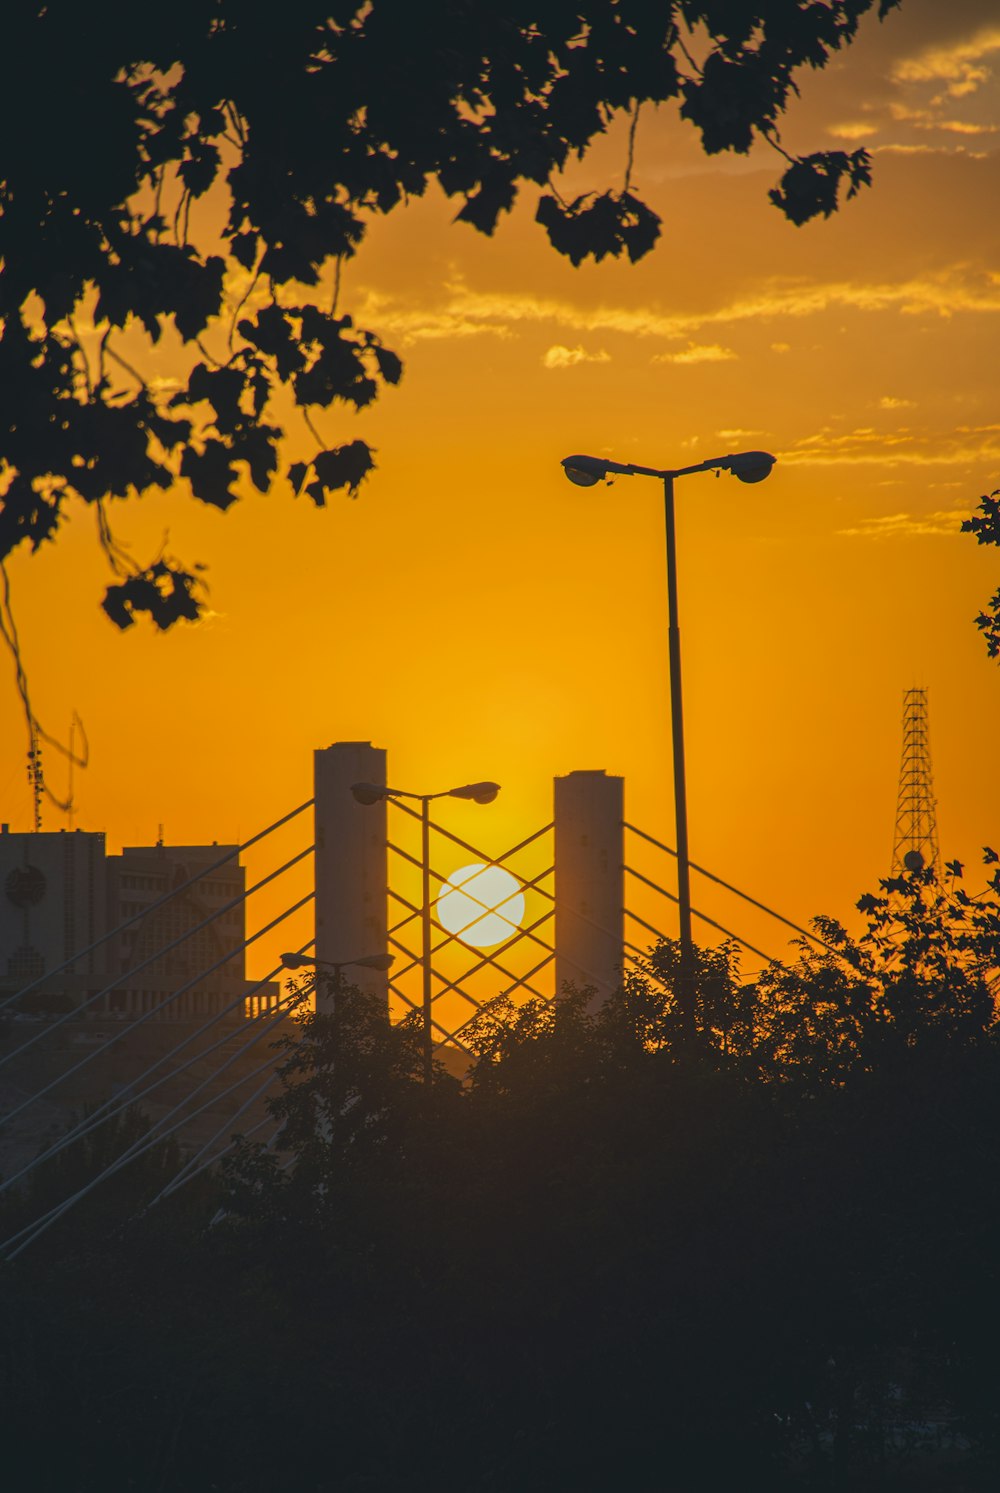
(958, 64)
(852, 129)
(965, 445)
(568, 357)
(464, 312)
(904, 525)
(711, 352)
(930, 119)
(890, 402)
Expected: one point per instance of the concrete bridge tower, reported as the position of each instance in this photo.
(351, 862)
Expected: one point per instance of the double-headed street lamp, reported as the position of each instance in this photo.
(373, 793)
(748, 466)
(369, 961)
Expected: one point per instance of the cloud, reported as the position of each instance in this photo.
(711, 352)
(464, 312)
(568, 357)
(738, 435)
(959, 64)
(851, 130)
(927, 119)
(930, 150)
(890, 402)
(965, 445)
(905, 525)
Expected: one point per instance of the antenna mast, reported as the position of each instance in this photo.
(36, 776)
(915, 843)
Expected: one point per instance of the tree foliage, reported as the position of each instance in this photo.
(986, 526)
(613, 1258)
(194, 175)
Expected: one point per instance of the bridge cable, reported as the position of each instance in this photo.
(167, 897)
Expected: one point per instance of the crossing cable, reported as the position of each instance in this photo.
(487, 959)
(509, 943)
(148, 1015)
(517, 931)
(153, 906)
(111, 1108)
(416, 959)
(473, 849)
(120, 981)
(736, 891)
(491, 959)
(140, 1147)
(414, 1006)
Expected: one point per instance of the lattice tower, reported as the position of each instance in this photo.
(915, 844)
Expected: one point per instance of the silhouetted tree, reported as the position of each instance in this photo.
(115, 124)
(986, 526)
(615, 1257)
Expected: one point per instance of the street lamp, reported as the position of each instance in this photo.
(368, 961)
(373, 793)
(748, 466)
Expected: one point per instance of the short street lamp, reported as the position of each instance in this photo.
(373, 793)
(369, 961)
(306, 961)
(748, 466)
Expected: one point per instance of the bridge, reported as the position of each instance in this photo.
(588, 896)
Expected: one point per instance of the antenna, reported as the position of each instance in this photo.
(915, 844)
(72, 763)
(36, 776)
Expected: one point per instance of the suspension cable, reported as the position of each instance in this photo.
(144, 912)
(118, 983)
(737, 892)
(231, 1120)
(712, 924)
(148, 1015)
(111, 1108)
(137, 1149)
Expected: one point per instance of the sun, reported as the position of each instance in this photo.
(468, 891)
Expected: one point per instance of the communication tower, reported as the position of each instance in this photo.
(915, 844)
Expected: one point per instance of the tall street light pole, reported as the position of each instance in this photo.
(372, 793)
(748, 466)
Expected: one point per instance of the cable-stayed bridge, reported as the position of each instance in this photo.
(586, 896)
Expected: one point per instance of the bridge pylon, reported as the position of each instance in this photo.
(589, 882)
(351, 863)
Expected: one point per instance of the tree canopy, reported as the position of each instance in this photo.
(614, 1257)
(985, 524)
(117, 120)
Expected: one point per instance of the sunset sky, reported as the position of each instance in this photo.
(479, 617)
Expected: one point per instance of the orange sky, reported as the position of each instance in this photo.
(479, 617)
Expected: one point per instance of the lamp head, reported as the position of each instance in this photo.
(750, 466)
(480, 793)
(585, 471)
(296, 961)
(375, 961)
(367, 793)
